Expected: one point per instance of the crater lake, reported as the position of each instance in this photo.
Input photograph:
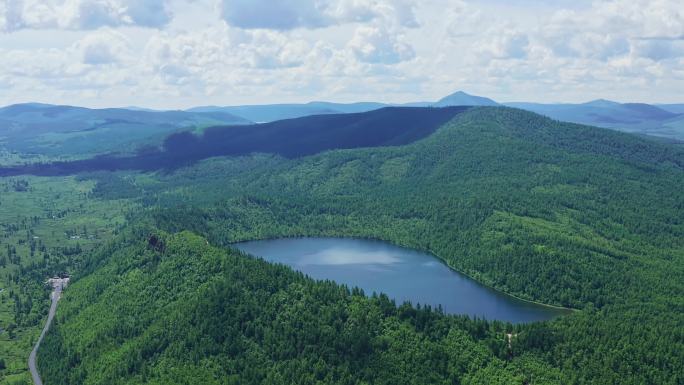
(403, 274)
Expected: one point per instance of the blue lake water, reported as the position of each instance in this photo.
(402, 274)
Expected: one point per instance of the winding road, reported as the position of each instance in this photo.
(57, 286)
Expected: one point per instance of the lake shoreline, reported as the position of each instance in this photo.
(328, 237)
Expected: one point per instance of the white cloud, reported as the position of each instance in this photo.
(221, 59)
(616, 28)
(81, 14)
(239, 51)
(506, 44)
(221, 49)
(53, 64)
(291, 14)
(375, 44)
(658, 49)
(103, 47)
(102, 61)
(266, 49)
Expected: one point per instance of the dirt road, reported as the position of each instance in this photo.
(57, 285)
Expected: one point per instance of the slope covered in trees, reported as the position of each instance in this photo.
(554, 212)
(289, 138)
(172, 310)
(638, 118)
(518, 200)
(66, 131)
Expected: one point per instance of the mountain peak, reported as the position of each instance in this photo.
(460, 98)
(602, 103)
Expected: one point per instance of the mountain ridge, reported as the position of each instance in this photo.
(290, 138)
(301, 137)
(666, 121)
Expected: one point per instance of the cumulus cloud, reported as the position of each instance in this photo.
(375, 44)
(220, 58)
(99, 62)
(103, 47)
(463, 20)
(291, 14)
(253, 51)
(103, 59)
(615, 28)
(81, 14)
(612, 48)
(507, 44)
(658, 49)
(21, 65)
(200, 52)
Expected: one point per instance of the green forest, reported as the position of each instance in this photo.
(558, 213)
(183, 312)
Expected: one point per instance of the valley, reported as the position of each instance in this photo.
(557, 213)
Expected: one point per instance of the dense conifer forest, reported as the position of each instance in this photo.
(559, 213)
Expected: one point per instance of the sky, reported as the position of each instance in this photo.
(170, 54)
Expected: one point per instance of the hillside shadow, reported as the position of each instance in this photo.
(292, 138)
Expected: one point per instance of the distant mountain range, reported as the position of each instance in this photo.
(77, 132)
(35, 128)
(676, 108)
(272, 112)
(289, 138)
(665, 121)
(638, 118)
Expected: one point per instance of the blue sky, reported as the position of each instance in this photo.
(182, 53)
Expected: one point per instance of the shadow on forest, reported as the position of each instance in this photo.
(291, 138)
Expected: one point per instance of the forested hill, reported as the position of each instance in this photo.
(67, 131)
(561, 213)
(291, 138)
(596, 199)
(391, 126)
(165, 309)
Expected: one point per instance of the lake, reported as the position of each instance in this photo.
(403, 274)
